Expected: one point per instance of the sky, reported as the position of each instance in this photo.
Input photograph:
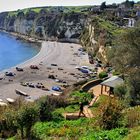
(10, 5)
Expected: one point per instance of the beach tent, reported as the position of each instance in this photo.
(112, 82)
(84, 71)
(56, 88)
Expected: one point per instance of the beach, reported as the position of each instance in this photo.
(55, 58)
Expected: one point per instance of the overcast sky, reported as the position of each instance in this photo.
(8, 5)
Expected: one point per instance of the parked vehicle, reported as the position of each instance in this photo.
(34, 67)
(10, 74)
(19, 69)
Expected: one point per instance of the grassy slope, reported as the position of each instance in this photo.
(81, 129)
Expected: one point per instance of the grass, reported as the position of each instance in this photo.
(96, 106)
(67, 129)
(82, 129)
(68, 109)
(134, 134)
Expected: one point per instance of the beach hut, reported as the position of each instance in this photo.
(112, 82)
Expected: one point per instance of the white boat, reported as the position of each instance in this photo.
(56, 94)
(3, 104)
(1, 100)
(10, 100)
(21, 92)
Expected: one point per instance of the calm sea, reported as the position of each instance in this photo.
(13, 52)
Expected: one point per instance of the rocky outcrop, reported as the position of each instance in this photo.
(94, 33)
(43, 25)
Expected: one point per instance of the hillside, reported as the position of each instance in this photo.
(68, 24)
(96, 113)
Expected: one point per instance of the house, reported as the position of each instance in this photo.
(111, 83)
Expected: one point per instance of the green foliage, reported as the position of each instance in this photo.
(134, 134)
(132, 116)
(81, 97)
(47, 104)
(103, 74)
(114, 134)
(103, 6)
(125, 57)
(26, 117)
(111, 114)
(120, 91)
(134, 88)
(63, 129)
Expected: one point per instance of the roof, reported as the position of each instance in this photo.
(113, 81)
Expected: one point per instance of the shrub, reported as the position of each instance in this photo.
(48, 104)
(120, 91)
(103, 75)
(111, 114)
(26, 117)
(82, 97)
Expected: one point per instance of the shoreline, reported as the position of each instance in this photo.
(22, 37)
(62, 54)
(29, 40)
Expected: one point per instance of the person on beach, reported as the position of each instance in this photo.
(81, 109)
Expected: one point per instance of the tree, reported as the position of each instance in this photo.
(111, 114)
(103, 6)
(134, 88)
(26, 117)
(120, 91)
(129, 4)
(126, 59)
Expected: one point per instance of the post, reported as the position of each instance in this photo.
(105, 88)
(101, 89)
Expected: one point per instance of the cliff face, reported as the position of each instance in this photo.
(94, 33)
(43, 25)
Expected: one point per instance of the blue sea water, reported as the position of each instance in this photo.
(13, 52)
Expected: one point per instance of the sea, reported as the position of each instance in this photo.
(14, 52)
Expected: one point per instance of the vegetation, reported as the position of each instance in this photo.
(114, 118)
(103, 74)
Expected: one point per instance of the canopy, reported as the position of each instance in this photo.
(113, 81)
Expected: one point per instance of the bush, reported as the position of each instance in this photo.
(103, 75)
(57, 117)
(48, 104)
(111, 114)
(120, 91)
(26, 117)
(81, 97)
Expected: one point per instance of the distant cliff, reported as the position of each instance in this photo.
(94, 33)
(45, 25)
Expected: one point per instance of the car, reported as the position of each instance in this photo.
(56, 88)
(51, 77)
(34, 67)
(31, 85)
(53, 64)
(19, 69)
(85, 67)
(10, 74)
